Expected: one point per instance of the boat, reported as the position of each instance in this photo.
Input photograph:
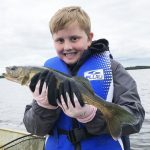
(19, 140)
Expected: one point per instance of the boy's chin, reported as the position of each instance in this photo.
(70, 63)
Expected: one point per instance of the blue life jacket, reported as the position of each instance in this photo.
(97, 69)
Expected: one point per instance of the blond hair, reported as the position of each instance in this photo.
(68, 15)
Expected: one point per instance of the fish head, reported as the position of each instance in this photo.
(19, 74)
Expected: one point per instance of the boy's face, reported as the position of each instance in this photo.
(71, 42)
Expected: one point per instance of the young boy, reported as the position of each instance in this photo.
(69, 123)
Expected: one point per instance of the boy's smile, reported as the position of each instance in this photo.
(71, 42)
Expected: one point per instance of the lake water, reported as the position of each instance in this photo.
(13, 99)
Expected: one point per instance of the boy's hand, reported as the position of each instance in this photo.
(82, 114)
(48, 82)
(41, 98)
(70, 87)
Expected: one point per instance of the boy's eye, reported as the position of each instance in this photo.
(74, 38)
(60, 40)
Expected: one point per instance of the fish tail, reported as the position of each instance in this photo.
(116, 116)
(116, 122)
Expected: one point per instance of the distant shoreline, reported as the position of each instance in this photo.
(137, 67)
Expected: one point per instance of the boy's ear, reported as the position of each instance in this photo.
(90, 37)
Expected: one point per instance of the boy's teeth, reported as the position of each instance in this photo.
(72, 53)
(69, 54)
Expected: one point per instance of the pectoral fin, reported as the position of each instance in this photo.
(24, 80)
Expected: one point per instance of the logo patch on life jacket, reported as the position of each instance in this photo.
(94, 74)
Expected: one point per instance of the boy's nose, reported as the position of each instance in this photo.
(67, 45)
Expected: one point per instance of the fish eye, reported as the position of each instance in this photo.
(13, 68)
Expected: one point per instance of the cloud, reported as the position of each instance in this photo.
(24, 26)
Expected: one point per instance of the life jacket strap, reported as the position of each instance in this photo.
(75, 135)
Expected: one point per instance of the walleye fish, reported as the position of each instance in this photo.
(114, 115)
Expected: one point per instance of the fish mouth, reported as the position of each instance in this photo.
(9, 77)
(10, 74)
(2, 72)
(2, 76)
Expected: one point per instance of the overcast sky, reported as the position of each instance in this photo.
(25, 36)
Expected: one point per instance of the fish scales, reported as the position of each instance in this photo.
(114, 115)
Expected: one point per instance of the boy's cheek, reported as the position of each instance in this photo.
(59, 52)
(58, 49)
